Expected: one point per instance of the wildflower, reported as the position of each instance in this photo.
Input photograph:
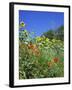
(56, 60)
(34, 49)
(30, 46)
(49, 64)
(22, 24)
(38, 39)
(26, 42)
(47, 39)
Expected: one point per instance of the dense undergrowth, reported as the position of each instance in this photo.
(40, 57)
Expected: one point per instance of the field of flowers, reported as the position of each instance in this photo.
(39, 56)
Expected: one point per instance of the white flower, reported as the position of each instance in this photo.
(26, 42)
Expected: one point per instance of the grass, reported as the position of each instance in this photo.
(42, 59)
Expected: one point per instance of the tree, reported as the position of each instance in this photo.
(56, 34)
(49, 34)
(60, 33)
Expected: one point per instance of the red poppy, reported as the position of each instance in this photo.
(56, 60)
(34, 49)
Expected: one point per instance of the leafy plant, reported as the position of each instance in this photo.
(40, 57)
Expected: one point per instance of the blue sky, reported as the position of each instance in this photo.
(40, 21)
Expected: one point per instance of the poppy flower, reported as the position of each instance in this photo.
(56, 60)
(34, 49)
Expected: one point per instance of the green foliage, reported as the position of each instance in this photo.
(56, 34)
(49, 34)
(60, 35)
(40, 57)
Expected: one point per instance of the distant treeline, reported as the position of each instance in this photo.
(55, 34)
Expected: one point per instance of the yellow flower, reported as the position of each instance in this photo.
(53, 40)
(47, 39)
(22, 24)
(38, 39)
